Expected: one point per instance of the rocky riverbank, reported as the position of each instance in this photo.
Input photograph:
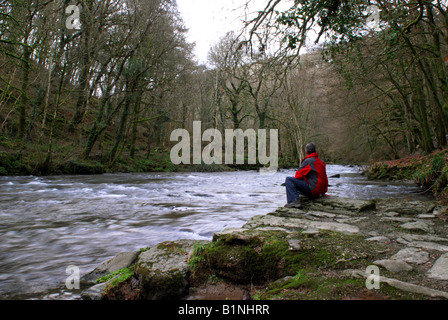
(324, 251)
(428, 171)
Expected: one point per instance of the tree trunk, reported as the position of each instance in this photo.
(26, 65)
(135, 121)
(84, 66)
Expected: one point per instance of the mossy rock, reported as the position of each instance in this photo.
(163, 270)
(257, 256)
(111, 267)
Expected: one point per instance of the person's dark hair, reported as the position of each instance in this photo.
(310, 148)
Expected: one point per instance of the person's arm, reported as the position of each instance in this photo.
(303, 171)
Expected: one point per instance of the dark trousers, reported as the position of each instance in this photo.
(296, 187)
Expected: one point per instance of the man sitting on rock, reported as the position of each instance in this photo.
(310, 179)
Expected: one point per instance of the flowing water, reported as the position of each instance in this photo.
(50, 223)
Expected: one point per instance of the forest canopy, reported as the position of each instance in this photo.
(104, 83)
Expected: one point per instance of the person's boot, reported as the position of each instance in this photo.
(295, 204)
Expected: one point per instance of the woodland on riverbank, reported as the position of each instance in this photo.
(103, 92)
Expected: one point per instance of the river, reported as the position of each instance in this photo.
(50, 223)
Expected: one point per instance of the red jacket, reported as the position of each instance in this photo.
(313, 171)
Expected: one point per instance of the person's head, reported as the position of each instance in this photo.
(310, 148)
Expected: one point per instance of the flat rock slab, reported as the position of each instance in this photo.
(426, 216)
(440, 269)
(298, 224)
(380, 239)
(416, 226)
(421, 237)
(411, 208)
(337, 204)
(322, 215)
(397, 219)
(393, 265)
(412, 255)
(429, 246)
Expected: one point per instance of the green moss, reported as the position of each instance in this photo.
(118, 276)
(300, 280)
(307, 285)
(265, 256)
(197, 258)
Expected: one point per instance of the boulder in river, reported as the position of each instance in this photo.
(164, 270)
